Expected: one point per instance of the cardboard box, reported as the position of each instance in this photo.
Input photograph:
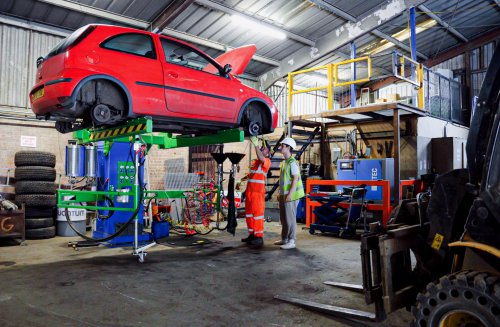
(393, 97)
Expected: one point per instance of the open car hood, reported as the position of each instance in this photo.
(238, 58)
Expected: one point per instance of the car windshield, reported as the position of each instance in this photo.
(62, 46)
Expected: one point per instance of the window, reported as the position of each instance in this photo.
(72, 40)
(133, 43)
(182, 55)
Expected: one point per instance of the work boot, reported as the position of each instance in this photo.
(281, 242)
(256, 243)
(248, 239)
(288, 246)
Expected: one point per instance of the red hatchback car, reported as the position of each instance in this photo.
(103, 75)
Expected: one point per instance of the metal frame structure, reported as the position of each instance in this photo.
(140, 132)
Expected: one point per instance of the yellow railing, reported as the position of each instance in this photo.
(348, 62)
(291, 92)
(333, 78)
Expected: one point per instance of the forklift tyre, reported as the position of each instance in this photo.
(466, 298)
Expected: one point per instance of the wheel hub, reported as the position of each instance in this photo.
(254, 128)
(101, 114)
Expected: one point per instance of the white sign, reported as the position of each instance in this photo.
(28, 141)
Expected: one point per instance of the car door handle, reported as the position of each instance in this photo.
(173, 74)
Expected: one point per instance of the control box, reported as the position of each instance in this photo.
(367, 169)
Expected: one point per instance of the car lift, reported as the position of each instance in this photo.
(123, 179)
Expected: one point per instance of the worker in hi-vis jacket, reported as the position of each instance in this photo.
(255, 194)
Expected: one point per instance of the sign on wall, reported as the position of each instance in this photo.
(28, 141)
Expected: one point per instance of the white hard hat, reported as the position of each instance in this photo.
(289, 141)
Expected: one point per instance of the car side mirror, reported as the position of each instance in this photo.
(227, 69)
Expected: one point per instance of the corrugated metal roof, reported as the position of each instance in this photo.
(204, 19)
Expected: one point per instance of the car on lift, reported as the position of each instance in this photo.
(103, 75)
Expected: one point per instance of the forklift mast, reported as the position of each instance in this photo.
(483, 156)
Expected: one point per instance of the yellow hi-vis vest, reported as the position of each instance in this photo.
(286, 180)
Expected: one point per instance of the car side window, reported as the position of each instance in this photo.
(182, 55)
(132, 43)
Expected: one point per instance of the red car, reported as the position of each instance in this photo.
(103, 75)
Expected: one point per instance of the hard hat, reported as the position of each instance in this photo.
(289, 141)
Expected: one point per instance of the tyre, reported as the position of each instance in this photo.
(37, 200)
(34, 158)
(466, 298)
(33, 223)
(36, 212)
(35, 187)
(41, 233)
(35, 173)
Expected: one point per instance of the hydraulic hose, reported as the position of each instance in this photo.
(122, 229)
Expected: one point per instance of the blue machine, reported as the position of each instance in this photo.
(116, 171)
(367, 169)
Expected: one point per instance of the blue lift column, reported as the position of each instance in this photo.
(413, 34)
(353, 75)
(117, 170)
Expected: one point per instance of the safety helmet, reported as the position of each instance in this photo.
(290, 142)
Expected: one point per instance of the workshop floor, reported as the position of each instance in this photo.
(221, 284)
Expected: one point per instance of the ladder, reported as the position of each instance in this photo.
(303, 137)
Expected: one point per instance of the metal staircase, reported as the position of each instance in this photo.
(304, 133)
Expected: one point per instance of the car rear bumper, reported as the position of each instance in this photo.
(53, 98)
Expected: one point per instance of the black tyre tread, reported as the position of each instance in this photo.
(484, 284)
(34, 158)
(36, 212)
(41, 233)
(34, 223)
(37, 200)
(35, 187)
(35, 173)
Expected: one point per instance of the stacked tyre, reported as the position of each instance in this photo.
(35, 187)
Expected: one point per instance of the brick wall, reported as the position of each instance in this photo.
(47, 139)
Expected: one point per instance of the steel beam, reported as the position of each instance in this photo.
(339, 12)
(214, 45)
(441, 22)
(338, 38)
(217, 6)
(463, 48)
(173, 9)
(101, 13)
(145, 25)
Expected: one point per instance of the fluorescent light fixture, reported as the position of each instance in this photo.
(258, 27)
(400, 36)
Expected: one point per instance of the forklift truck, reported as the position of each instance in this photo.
(443, 263)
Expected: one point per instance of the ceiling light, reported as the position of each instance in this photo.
(258, 27)
(400, 36)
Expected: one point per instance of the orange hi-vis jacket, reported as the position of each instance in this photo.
(258, 174)
(255, 193)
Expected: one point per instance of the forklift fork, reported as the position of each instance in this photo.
(372, 288)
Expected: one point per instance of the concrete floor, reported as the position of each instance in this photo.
(222, 284)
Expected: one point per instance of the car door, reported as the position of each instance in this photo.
(194, 87)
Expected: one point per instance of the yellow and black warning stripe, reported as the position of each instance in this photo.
(117, 132)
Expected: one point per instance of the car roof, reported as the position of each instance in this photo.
(123, 29)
